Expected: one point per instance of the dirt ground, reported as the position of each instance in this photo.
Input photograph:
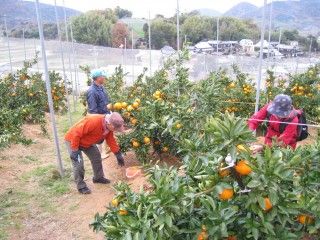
(36, 215)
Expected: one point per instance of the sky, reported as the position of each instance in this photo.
(140, 8)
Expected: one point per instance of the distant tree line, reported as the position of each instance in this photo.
(102, 27)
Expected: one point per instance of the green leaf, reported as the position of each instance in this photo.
(253, 184)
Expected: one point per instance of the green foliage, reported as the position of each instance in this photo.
(163, 33)
(93, 27)
(185, 203)
(24, 100)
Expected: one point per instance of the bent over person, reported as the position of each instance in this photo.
(279, 110)
(83, 137)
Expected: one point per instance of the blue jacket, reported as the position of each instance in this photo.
(97, 99)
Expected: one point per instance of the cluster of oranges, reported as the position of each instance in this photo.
(300, 91)
(232, 109)
(158, 95)
(147, 141)
(127, 109)
(247, 89)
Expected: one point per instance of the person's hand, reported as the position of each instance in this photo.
(75, 155)
(120, 159)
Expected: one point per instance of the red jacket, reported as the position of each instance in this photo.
(89, 131)
(288, 137)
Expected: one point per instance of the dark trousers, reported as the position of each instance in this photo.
(94, 155)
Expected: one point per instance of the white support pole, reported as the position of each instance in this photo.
(218, 20)
(24, 44)
(178, 27)
(76, 80)
(270, 28)
(125, 55)
(69, 57)
(62, 61)
(8, 42)
(260, 58)
(279, 39)
(150, 52)
(48, 87)
(132, 54)
(35, 51)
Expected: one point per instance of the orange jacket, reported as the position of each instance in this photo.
(89, 131)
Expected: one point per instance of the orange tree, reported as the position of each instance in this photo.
(304, 89)
(260, 197)
(24, 100)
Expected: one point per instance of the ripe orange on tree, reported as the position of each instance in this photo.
(124, 105)
(135, 144)
(133, 121)
(165, 149)
(178, 125)
(123, 212)
(146, 140)
(305, 219)
(138, 100)
(115, 202)
(226, 194)
(224, 172)
(117, 106)
(130, 108)
(135, 105)
(243, 168)
(268, 204)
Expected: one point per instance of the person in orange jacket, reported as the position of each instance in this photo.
(83, 137)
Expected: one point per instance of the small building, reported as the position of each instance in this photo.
(247, 46)
(203, 47)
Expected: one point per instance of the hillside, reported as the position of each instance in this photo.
(208, 12)
(19, 12)
(242, 10)
(303, 15)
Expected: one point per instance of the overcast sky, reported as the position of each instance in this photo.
(140, 8)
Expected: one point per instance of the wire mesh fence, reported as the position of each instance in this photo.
(134, 61)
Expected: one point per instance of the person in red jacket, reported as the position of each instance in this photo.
(83, 137)
(279, 110)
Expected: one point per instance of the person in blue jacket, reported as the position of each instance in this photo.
(97, 101)
(97, 97)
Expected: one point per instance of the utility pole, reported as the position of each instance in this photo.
(48, 87)
(62, 61)
(279, 39)
(260, 57)
(8, 42)
(76, 80)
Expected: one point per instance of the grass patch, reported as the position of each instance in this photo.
(13, 207)
(63, 120)
(29, 159)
